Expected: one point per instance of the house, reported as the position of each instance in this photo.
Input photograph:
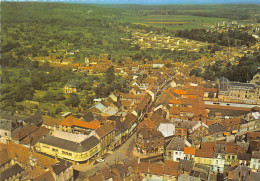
(77, 151)
(12, 173)
(189, 153)
(50, 122)
(207, 156)
(216, 128)
(135, 90)
(28, 134)
(252, 136)
(72, 86)
(149, 141)
(231, 153)
(232, 124)
(239, 173)
(167, 129)
(183, 126)
(36, 119)
(7, 125)
(106, 134)
(243, 159)
(199, 131)
(255, 161)
(130, 121)
(152, 171)
(175, 150)
(63, 171)
(115, 96)
(74, 125)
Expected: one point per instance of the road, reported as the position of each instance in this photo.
(124, 151)
(228, 104)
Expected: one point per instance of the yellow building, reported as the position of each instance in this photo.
(70, 150)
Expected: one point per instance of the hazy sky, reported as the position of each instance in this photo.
(151, 1)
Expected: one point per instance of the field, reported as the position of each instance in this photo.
(174, 22)
(178, 17)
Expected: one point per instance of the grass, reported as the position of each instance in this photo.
(179, 22)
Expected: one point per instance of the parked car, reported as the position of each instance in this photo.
(100, 160)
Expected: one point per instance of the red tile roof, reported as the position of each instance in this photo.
(207, 150)
(189, 150)
(71, 121)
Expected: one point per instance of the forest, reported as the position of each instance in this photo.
(231, 38)
(242, 72)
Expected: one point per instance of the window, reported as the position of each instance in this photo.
(55, 150)
(216, 161)
(233, 157)
(5, 133)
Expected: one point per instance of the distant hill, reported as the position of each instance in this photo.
(155, 1)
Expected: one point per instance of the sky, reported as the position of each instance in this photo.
(151, 1)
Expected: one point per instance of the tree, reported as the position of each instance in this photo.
(73, 100)
(110, 75)
(197, 72)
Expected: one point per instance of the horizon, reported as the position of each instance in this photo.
(146, 2)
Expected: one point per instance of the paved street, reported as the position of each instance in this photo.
(124, 151)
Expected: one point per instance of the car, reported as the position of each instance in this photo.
(100, 160)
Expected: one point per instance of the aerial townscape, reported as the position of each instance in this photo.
(112, 91)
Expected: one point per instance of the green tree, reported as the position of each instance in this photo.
(110, 75)
(73, 100)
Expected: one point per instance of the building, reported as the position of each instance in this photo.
(72, 86)
(149, 141)
(255, 161)
(74, 125)
(69, 150)
(50, 122)
(207, 156)
(7, 126)
(175, 150)
(238, 91)
(106, 134)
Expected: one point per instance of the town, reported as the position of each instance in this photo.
(149, 118)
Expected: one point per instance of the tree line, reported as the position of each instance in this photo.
(231, 38)
(242, 72)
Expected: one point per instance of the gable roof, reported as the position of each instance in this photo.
(176, 144)
(9, 172)
(61, 167)
(105, 129)
(207, 150)
(71, 121)
(4, 157)
(216, 128)
(36, 119)
(189, 150)
(18, 152)
(50, 121)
